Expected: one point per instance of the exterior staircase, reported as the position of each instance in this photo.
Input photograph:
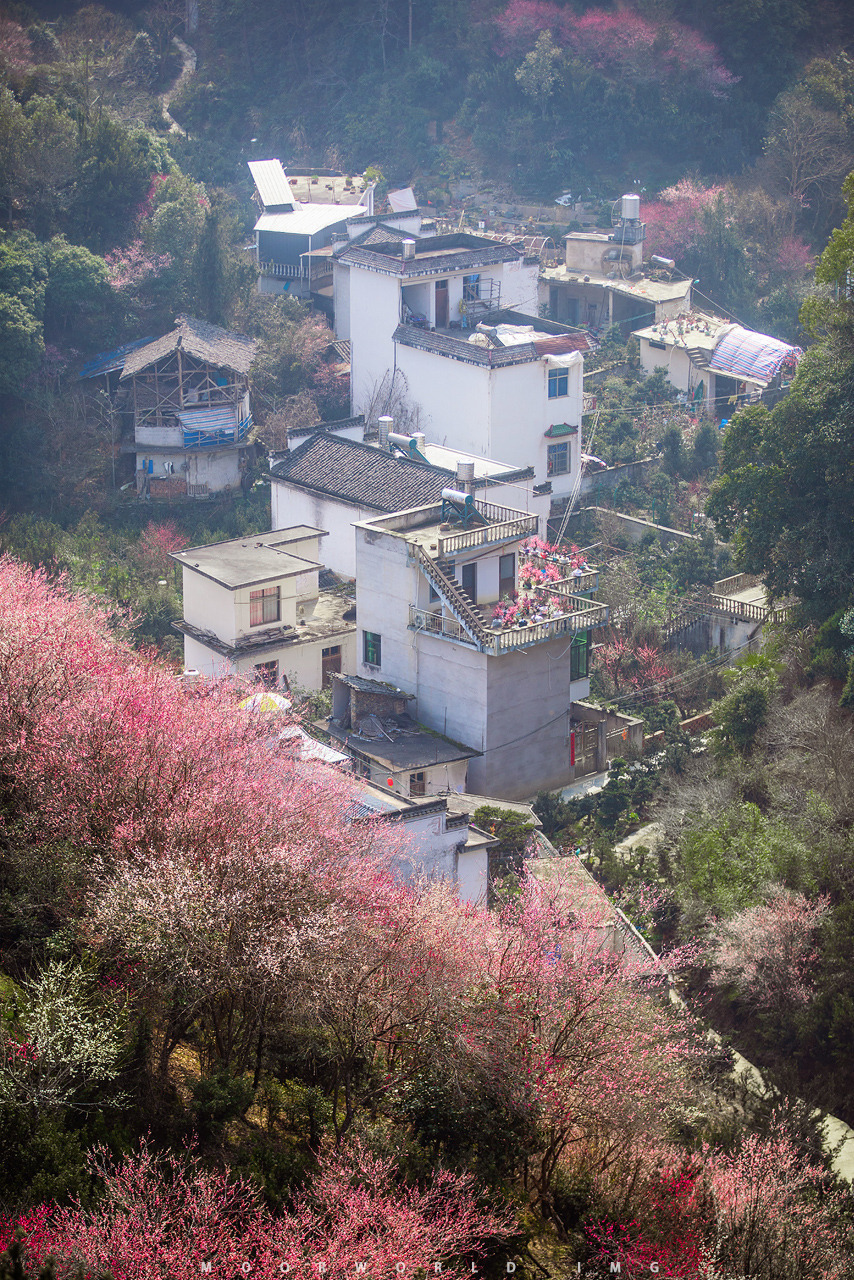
(460, 604)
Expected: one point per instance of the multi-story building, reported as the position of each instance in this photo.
(426, 583)
(253, 607)
(445, 322)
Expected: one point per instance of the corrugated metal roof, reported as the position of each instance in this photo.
(306, 220)
(218, 347)
(221, 417)
(271, 183)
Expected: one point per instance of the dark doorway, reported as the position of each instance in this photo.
(506, 575)
(441, 304)
(470, 581)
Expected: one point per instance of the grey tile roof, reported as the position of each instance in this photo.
(433, 255)
(218, 347)
(339, 425)
(360, 474)
(460, 349)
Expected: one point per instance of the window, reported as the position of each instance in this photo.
(267, 673)
(417, 784)
(558, 383)
(578, 656)
(471, 288)
(373, 648)
(264, 606)
(558, 459)
(330, 661)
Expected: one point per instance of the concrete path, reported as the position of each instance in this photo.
(649, 836)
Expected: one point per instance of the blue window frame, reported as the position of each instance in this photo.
(558, 383)
(558, 459)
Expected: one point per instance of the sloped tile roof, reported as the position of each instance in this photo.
(360, 474)
(218, 347)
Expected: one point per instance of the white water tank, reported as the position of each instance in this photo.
(631, 207)
(465, 475)
(384, 426)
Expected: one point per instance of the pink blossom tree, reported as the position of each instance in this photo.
(169, 1216)
(768, 952)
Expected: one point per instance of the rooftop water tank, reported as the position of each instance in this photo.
(631, 207)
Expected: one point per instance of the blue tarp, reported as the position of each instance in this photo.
(107, 361)
(745, 354)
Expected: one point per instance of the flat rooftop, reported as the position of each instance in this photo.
(425, 527)
(244, 562)
(653, 290)
(334, 615)
(411, 749)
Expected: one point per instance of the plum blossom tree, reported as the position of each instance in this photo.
(169, 1216)
(63, 1041)
(767, 952)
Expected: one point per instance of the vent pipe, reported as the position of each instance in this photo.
(384, 426)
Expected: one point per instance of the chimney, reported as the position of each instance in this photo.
(384, 426)
(420, 440)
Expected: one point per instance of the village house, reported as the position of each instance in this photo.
(289, 227)
(440, 841)
(442, 321)
(332, 481)
(188, 393)
(427, 582)
(253, 607)
(716, 364)
(602, 281)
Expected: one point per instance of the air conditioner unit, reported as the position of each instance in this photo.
(419, 619)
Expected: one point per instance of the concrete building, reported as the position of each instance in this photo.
(441, 843)
(253, 607)
(288, 227)
(427, 580)
(188, 392)
(372, 721)
(332, 481)
(602, 281)
(715, 363)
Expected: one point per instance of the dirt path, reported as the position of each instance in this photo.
(188, 58)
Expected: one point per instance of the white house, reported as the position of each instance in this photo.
(288, 228)
(253, 607)
(189, 394)
(441, 842)
(715, 363)
(602, 280)
(426, 582)
(332, 481)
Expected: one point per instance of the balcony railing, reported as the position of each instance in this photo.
(519, 637)
(587, 615)
(504, 525)
(570, 586)
(436, 624)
